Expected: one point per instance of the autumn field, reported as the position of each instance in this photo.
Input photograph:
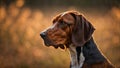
(22, 47)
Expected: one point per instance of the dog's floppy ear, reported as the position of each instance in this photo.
(82, 30)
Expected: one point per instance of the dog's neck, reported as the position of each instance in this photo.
(92, 53)
(88, 53)
(77, 58)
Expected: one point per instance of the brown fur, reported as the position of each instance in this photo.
(59, 34)
(71, 28)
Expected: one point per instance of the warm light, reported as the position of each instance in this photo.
(19, 3)
(2, 13)
(116, 12)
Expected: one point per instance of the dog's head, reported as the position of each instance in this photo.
(68, 27)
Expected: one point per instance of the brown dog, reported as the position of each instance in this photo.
(71, 30)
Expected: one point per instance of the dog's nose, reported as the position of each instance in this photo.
(43, 34)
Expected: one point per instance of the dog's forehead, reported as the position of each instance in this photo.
(67, 17)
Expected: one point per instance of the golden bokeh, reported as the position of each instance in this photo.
(22, 47)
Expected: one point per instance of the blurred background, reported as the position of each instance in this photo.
(21, 21)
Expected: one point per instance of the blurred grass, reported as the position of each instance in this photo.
(22, 47)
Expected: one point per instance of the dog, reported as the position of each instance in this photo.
(71, 30)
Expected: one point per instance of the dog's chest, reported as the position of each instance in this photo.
(77, 58)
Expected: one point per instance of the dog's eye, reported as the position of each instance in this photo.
(62, 24)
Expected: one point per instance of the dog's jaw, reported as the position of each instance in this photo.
(74, 60)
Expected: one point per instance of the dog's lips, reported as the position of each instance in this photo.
(48, 43)
(54, 45)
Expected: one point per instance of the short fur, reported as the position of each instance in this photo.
(71, 29)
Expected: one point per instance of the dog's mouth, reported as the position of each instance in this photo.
(48, 43)
(60, 45)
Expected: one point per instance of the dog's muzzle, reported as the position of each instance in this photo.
(47, 42)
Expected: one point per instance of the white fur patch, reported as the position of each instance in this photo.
(74, 61)
(82, 58)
